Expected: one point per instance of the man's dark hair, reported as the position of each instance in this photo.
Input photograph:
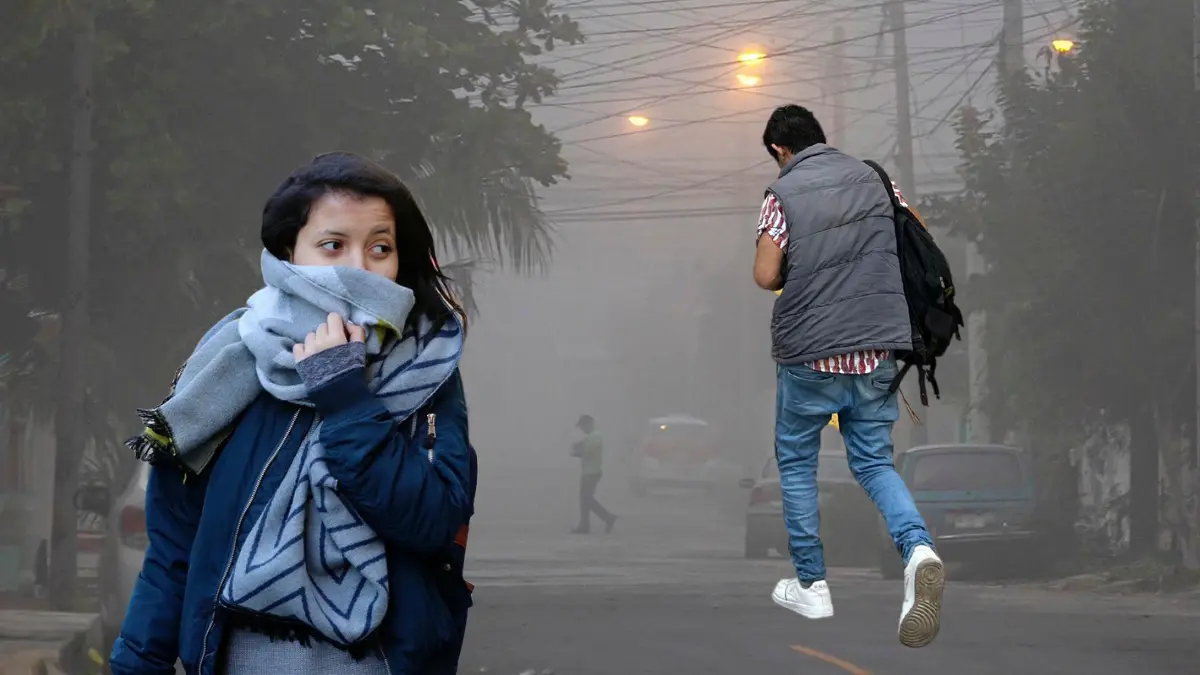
(793, 128)
(286, 212)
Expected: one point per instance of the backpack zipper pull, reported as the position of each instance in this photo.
(430, 433)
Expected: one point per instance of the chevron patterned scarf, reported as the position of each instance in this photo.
(308, 559)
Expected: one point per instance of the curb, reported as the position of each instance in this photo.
(28, 662)
(49, 643)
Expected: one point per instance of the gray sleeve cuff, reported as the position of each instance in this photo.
(322, 367)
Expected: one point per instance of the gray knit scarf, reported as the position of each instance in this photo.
(309, 559)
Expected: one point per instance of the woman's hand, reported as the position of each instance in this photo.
(328, 335)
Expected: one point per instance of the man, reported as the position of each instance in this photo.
(590, 452)
(826, 241)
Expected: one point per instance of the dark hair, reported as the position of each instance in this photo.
(287, 211)
(793, 128)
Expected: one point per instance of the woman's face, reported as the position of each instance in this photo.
(351, 231)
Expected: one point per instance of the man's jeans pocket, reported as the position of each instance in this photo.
(884, 375)
(806, 376)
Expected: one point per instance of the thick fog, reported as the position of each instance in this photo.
(592, 172)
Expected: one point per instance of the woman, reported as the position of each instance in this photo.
(312, 475)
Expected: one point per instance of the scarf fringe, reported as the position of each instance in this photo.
(295, 632)
(153, 445)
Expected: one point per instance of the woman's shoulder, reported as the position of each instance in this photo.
(451, 390)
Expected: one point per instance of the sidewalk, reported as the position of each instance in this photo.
(37, 642)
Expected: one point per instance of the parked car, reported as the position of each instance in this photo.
(847, 514)
(977, 500)
(124, 546)
(676, 451)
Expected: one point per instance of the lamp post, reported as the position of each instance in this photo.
(1063, 45)
(752, 60)
(1058, 48)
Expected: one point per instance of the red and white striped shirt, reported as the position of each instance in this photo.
(772, 223)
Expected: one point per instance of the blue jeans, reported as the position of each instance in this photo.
(805, 401)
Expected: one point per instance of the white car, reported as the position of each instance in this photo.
(125, 544)
(677, 451)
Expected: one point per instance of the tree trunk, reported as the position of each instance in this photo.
(1143, 482)
(1175, 480)
(1180, 488)
(73, 338)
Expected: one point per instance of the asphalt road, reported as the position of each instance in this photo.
(668, 592)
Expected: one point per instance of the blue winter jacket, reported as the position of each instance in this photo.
(418, 505)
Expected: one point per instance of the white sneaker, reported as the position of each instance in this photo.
(924, 580)
(813, 602)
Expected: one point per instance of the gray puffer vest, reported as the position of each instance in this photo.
(842, 289)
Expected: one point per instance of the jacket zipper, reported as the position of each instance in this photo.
(430, 434)
(430, 418)
(237, 533)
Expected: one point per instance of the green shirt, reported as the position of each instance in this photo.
(591, 451)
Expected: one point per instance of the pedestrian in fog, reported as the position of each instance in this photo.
(590, 451)
(312, 479)
(827, 242)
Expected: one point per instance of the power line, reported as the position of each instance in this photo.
(952, 54)
(722, 116)
(658, 99)
(976, 7)
(663, 193)
(723, 29)
(679, 191)
(758, 92)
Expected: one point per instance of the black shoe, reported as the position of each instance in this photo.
(581, 530)
(608, 527)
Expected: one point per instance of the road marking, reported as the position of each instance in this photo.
(831, 660)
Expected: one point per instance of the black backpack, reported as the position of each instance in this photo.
(929, 289)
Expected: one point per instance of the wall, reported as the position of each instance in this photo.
(25, 510)
(1102, 464)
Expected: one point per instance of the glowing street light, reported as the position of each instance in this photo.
(639, 120)
(752, 61)
(1063, 45)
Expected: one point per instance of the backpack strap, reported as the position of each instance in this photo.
(937, 392)
(925, 381)
(887, 181)
(900, 378)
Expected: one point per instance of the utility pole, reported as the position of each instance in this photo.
(1196, 155)
(1012, 63)
(978, 430)
(898, 26)
(1014, 37)
(904, 139)
(837, 72)
(74, 335)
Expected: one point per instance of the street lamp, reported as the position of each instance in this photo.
(638, 120)
(1063, 45)
(1059, 47)
(751, 60)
